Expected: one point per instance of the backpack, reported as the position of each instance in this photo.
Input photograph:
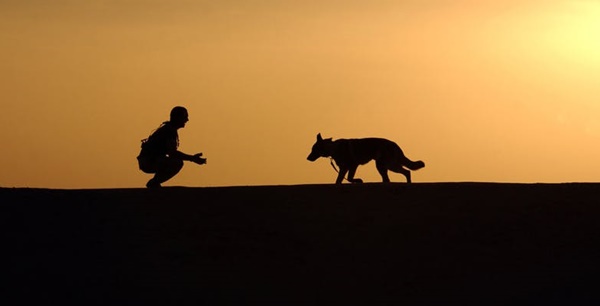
(156, 144)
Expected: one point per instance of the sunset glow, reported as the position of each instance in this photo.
(501, 91)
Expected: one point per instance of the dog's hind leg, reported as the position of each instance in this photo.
(382, 169)
(399, 169)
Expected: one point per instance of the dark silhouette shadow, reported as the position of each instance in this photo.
(491, 244)
(350, 153)
(159, 154)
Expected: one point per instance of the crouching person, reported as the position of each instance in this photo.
(159, 154)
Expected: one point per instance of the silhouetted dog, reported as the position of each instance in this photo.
(350, 153)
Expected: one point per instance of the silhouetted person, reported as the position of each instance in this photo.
(159, 153)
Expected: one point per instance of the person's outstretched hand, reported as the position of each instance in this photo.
(198, 159)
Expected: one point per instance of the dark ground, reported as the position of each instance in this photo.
(371, 244)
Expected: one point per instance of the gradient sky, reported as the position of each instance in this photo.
(503, 91)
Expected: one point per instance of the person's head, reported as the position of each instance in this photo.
(179, 116)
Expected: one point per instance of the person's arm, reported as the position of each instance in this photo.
(180, 155)
(197, 158)
(173, 152)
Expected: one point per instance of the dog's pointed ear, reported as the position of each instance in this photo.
(319, 138)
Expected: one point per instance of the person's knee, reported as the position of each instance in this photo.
(178, 164)
(170, 165)
(174, 165)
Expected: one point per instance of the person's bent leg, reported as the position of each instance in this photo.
(168, 168)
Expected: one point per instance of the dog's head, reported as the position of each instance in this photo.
(321, 148)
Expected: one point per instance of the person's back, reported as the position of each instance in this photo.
(157, 146)
(159, 154)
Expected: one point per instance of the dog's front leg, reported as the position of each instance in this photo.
(341, 175)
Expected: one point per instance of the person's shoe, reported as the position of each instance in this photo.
(152, 184)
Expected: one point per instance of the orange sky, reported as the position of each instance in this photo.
(505, 91)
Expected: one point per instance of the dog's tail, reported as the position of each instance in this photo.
(413, 165)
